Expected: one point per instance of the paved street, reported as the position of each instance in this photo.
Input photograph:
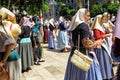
(52, 69)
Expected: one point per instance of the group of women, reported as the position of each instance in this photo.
(98, 34)
(98, 49)
(58, 36)
(17, 54)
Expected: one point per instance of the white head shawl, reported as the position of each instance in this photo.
(61, 19)
(77, 19)
(51, 21)
(27, 22)
(96, 24)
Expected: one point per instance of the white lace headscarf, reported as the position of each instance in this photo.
(96, 24)
(61, 19)
(51, 21)
(77, 19)
(27, 22)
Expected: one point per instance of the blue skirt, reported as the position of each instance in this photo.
(74, 73)
(51, 41)
(105, 63)
(62, 39)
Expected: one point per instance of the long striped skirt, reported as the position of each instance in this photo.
(26, 53)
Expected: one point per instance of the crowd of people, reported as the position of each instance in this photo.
(22, 46)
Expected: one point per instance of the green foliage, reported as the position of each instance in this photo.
(104, 7)
(31, 6)
(38, 5)
(113, 8)
(63, 11)
(66, 11)
(71, 12)
(98, 9)
(33, 10)
(46, 7)
(34, 6)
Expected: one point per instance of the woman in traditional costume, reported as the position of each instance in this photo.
(6, 44)
(13, 62)
(51, 39)
(25, 45)
(102, 51)
(79, 27)
(62, 36)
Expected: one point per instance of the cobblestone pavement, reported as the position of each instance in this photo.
(52, 69)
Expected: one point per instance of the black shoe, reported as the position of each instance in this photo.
(29, 68)
(24, 71)
(36, 63)
(51, 48)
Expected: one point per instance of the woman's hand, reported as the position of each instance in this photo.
(35, 46)
(1, 63)
(87, 42)
(107, 35)
(98, 43)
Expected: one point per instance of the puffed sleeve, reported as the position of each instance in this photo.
(98, 34)
(4, 41)
(8, 41)
(84, 30)
(85, 33)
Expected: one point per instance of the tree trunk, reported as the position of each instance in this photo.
(9, 3)
(80, 3)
